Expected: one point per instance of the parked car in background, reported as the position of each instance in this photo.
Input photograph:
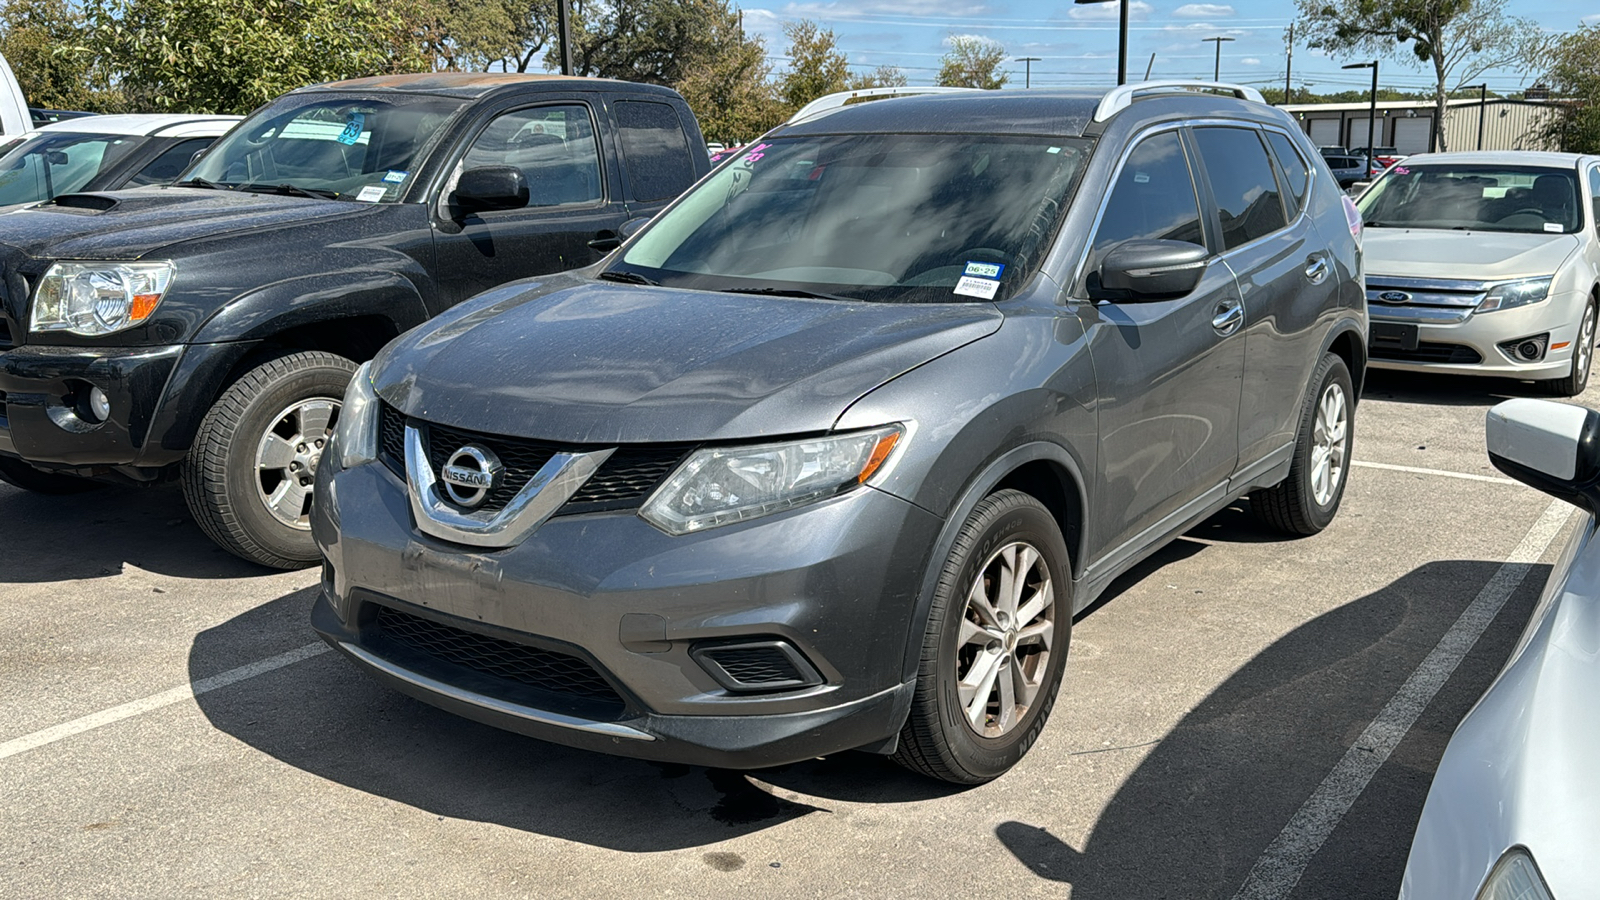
(713, 148)
(831, 452)
(1511, 814)
(204, 332)
(104, 153)
(1346, 169)
(43, 117)
(1486, 263)
(1382, 157)
(14, 117)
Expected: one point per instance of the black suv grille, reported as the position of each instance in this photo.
(544, 670)
(623, 481)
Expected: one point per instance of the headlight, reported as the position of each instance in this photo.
(1516, 293)
(723, 485)
(356, 432)
(98, 298)
(1514, 877)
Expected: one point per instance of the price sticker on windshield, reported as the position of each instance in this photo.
(352, 128)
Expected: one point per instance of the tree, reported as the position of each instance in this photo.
(1573, 74)
(817, 68)
(730, 89)
(1460, 39)
(973, 62)
(39, 39)
(882, 76)
(651, 41)
(231, 56)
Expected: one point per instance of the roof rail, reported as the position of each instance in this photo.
(1121, 97)
(831, 102)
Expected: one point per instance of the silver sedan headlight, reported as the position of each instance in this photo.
(96, 298)
(355, 434)
(723, 485)
(1514, 877)
(1516, 293)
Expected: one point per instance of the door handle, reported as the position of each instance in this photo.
(1228, 317)
(1316, 269)
(606, 241)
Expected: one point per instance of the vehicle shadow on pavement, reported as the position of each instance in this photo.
(326, 718)
(1199, 810)
(96, 533)
(1444, 390)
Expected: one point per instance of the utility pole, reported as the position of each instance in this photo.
(564, 34)
(1216, 73)
(1152, 65)
(1288, 67)
(1483, 103)
(1027, 70)
(1122, 37)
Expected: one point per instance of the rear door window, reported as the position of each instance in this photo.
(656, 150)
(1242, 183)
(1297, 175)
(1153, 199)
(173, 160)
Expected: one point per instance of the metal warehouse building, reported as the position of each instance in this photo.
(1407, 125)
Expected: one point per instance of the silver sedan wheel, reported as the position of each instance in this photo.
(1585, 342)
(1329, 441)
(286, 459)
(1003, 650)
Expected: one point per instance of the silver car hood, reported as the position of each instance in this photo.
(1473, 255)
(1524, 766)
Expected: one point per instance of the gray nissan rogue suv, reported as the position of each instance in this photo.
(829, 454)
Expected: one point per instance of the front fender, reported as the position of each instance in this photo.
(306, 300)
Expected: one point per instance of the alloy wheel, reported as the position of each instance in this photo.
(1003, 649)
(287, 457)
(1329, 440)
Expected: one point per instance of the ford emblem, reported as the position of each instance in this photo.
(1395, 297)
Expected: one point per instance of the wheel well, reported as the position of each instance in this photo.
(1347, 348)
(1054, 486)
(358, 338)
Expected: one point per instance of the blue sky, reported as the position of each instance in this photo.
(1078, 44)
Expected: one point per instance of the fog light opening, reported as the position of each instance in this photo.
(771, 664)
(1528, 349)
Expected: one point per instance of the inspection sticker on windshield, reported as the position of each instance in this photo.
(985, 270)
(372, 193)
(395, 177)
(982, 288)
(352, 128)
(1553, 226)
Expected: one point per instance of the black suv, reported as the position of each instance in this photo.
(829, 454)
(206, 331)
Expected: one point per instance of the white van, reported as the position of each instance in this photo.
(14, 119)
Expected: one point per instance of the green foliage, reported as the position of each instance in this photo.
(38, 38)
(882, 76)
(730, 89)
(973, 62)
(817, 68)
(1573, 73)
(231, 56)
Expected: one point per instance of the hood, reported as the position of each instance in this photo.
(133, 223)
(587, 362)
(1473, 255)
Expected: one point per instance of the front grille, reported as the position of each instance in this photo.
(1428, 353)
(622, 482)
(544, 670)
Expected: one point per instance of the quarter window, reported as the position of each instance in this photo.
(1242, 183)
(1153, 199)
(1297, 174)
(653, 142)
(552, 145)
(172, 161)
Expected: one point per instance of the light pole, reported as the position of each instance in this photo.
(1372, 113)
(564, 34)
(1122, 37)
(1483, 102)
(1216, 72)
(1027, 70)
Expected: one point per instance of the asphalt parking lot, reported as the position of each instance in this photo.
(1244, 716)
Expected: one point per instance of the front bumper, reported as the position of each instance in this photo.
(1443, 345)
(836, 582)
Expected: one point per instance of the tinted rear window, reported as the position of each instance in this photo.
(656, 149)
(1242, 182)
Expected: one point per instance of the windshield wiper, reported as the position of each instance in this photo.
(627, 278)
(784, 292)
(202, 183)
(313, 193)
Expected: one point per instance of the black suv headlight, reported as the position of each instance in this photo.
(96, 298)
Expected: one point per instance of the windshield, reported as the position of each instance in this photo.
(60, 162)
(1525, 199)
(342, 146)
(882, 217)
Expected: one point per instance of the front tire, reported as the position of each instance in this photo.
(1582, 359)
(1306, 500)
(247, 479)
(995, 644)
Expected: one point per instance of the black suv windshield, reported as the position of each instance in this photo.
(58, 162)
(355, 147)
(1527, 199)
(883, 217)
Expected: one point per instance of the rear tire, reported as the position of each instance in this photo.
(994, 646)
(248, 475)
(19, 474)
(1582, 359)
(1307, 499)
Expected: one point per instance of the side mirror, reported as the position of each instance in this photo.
(1150, 270)
(1554, 447)
(490, 187)
(55, 157)
(632, 226)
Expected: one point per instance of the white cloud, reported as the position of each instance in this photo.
(1096, 12)
(1202, 11)
(1205, 29)
(1591, 20)
(1249, 61)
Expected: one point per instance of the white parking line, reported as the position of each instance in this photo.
(1492, 479)
(156, 701)
(1278, 869)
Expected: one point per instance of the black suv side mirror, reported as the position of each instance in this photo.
(1149, 270)
(490, 187)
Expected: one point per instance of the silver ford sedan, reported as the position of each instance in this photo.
(1512, 813)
